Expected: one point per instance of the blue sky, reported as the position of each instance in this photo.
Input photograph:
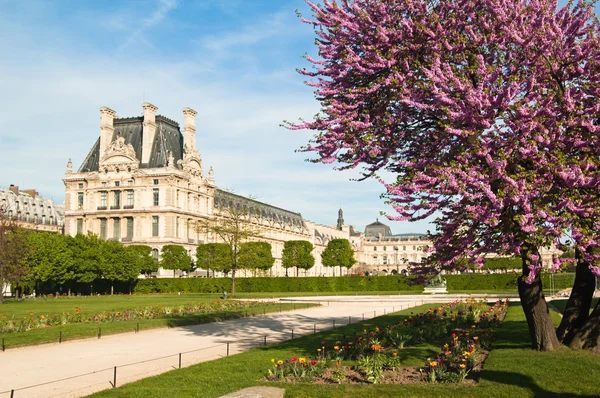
(233, 61)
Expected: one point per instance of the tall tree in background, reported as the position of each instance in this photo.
(256, 256)
(49, 258)
(143, 257)
(486, 112)
(297, 253)
(233, 226)
(12, 245)
(214, 255)
(87, 258)
(338, 253)
(175, 257)
(119, 264)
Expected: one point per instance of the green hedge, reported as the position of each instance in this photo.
(503, 281)
(340, 284)
(253, 285)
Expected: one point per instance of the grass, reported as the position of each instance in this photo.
(97, 305)
(562, 303)
(512, 370)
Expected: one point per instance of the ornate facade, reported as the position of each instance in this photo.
(30, 210)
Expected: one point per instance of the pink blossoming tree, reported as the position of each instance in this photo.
(486, 112)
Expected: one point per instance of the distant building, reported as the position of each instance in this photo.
(32, 211)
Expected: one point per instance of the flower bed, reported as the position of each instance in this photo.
(463, 329)
(36, 321)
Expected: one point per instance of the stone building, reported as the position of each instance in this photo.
(144, 182)
(30, 210)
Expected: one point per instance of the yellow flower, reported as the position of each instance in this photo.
(335, 347)
(462, 366)
(302, 360)
(280, 362)
(318, 350)
(433, 364)
(475, 338)
(272, 360)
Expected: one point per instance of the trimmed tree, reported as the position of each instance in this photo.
(87, 258)
(143, 257)
(486, 113)
(49, 258)
(256, 256)
(175, 257)
(118, 263)
(214, 255)
(297, 253)
(338, 253)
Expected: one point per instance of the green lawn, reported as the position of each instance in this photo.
(97, 305)
(562, 303)
(512, 370)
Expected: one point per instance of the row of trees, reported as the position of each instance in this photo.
(44, 261)
(486, 114)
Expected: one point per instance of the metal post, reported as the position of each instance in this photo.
(99, 332)
(363, 316)
(3, 346)
(315, 328)
(349, 320)
(265, 340)
(374, 314)
(60, 338)
(384, 311)
(227, 349)
(179, 360)
(137, 328)
(333, 323)
(115, 378)
(12, 393)
(246, 313)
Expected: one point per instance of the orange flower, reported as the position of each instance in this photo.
(394, 354)
(433, 364)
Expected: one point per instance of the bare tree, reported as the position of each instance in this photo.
(12, 250)
(233, 226)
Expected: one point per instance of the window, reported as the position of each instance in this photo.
(80, 200)
(414, 247)
(177, 199)
(187, 232)
(79, 225)
(177, 227)
(154, 225)
(103, 195)
(103, 228)
(117, 183)
(43, 218)
(155, 182)
(116, 228)
(385, 259)
(375, 248)
(129, 227)
(155, 196)
(80, 186)
(404, 248)
(155, 254)
(130, 198)
(104, 184)
(384, 248)
(117, 199)
(130, 183)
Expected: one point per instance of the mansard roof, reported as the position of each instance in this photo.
(254, 207)
(168, 139)
(25, 207)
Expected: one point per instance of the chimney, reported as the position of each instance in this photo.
(32, 192)
(14, 189)
(107, 116)
(149, 130)
(189, 129)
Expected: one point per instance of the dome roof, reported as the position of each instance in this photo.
(376, 229)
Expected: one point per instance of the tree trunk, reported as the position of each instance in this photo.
(539, 321)
(233, 282)
(588, 336)
(91, 289)
(1, 284)
(578, 307)
(297, 270)
(69, 290)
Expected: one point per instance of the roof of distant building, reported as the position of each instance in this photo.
(168, 139)
(377, 229)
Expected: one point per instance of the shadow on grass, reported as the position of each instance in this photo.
(527, 383)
